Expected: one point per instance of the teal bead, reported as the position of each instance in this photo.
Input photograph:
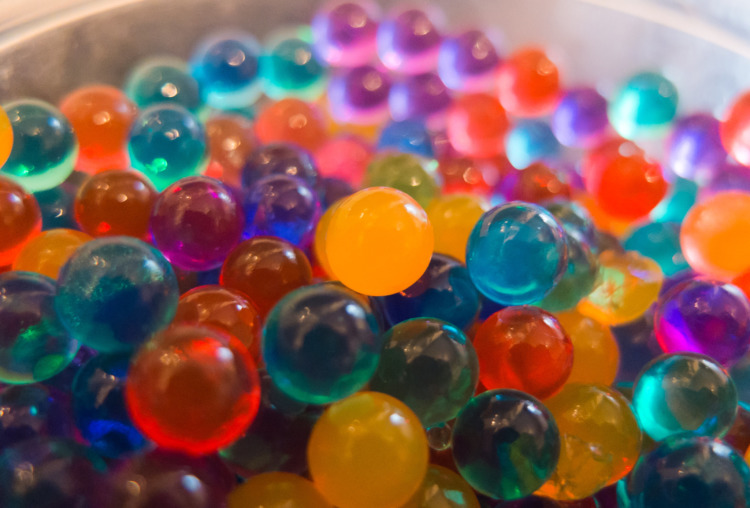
(659, 241)
(291, 69)
(684, 393)
(160, 80)
(680, 198)
(45, 147)
(644, 107)
(430, 366)
(577, 281)
(404, 172)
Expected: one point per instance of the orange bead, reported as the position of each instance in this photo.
(47, 252)
(101, 117)
(115, 203)
(443, 488)
(597, 355)
(600, 218)
(20, 220)
(734, 129)
(6, 137)
(715, 235)
(291, 121)
(477, 125)
(528, 83)
(231, 140)
(276, 490)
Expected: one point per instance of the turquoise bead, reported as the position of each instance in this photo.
(644, 107)
(659, 241)
(291, 69)
(680, 198)
(160, 80)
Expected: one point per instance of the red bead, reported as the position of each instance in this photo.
(528, 83)
(477, 125)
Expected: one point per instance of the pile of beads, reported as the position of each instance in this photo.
(372, 263)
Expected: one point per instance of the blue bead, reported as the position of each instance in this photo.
(445, 291)
(530, 141)
(409, 136)
(644, 107)
(115, 292)
(99, 406)
(167, 143)
(516, 253)
(227, 68)
(659, 241)
(163, 80)
(279, 159)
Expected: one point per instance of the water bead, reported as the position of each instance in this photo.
(45, 147)
(290, 67)
(48, 252)
(231, 140)
(538, 183)
(332, 190)
(226, 66)
(163, 79)
(680, 198)
(20, 220)
(114, 203)
(530, 141)
(6, 136)
(359, 95)
(443, 488)
(661, 242)
(265, 269)
(466, 175)
(690, 472)
(694, 149)
(113, 293)
(291, 121)
(367, 253)
(277, 159)
(580, 119)
(733, 127)
(596, 356)
(204, 398)
(505, 444)
(575, 219)
(345, 157)
(56, 204)
(528, 83)
(430, 366)
(276, 490)
(600, 440)
(420, 96)
(319, 241)
(477, 125)
(453, 216)
(404, 172)
(167, 143)
(637, 343)
(704, 316)
(516, 253)
(33, 410)
(577, 282)
(408, 42)
(409, 137)
(644, 106)
(467, 61)
(388, 448)
(523, 348)
(344, 34)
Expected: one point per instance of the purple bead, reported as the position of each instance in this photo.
(728, 176)
(468, 61)
(344, 35)
(333, 189)
(195, 222)
(694, 149)
(580, 119)
(33, 410)
(282, 206)
(704, 316)
(408, 42)
(279, 159)
(359, 95)
(419, 97)
(638, 346)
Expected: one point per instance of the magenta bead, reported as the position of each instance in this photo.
(580, 118)
(196, 221)
(419, 97)
(408, 42)
(694, 149)
(359, 95)
(344, 34)
(468, 61)
(704, 316)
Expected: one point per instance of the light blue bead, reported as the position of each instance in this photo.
(530, 141)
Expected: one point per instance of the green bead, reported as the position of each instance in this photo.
(406, 173)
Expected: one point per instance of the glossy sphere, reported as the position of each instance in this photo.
(101, 117)
(113, 293)
(575, 219)
(320, 344)
(661, 242)
(580, 119)
(408, 42)
(536, 183)
(227, 68)
(345, 157)
(704, 316)
(20, 220)
(223, 308)
(444, 292)
(115, 203)
(344, 34)
(99, 406)
(403, 172)
(359, 96)
(49, 251)
(276, 490)
(577, 282)
(52, 473)
(230, 142)
(443, 488)
(282, 206)
(453, 216)
(523, 348)
(409, 136)
(528, 83)
(684, 393)
(6, 136)
(45, 147)
(291, 69)
(278, 159)
(680, 198)
(530, 141)
(388, 448)
(33, 410)
(477, 125)
(379, 241)
(201, 400)
(600, 440)
(505, 444)
(628, 285)
(423, 96)
(467, 61)
(690, 472)
(516, 253)
(265, 269)
(694, 149)
(644, 106)
(319, 241)
(34, 346)
(714, 232)
(638, 346)
(596, 353)
(158, 80)
(167, 143)
(291, 121)
(464, 175)
(57, 205)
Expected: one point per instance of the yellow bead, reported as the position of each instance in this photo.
(368, 451)
(277, 490)
(596, 353)
(49, 251)
(6, 137)
(453, 216)
(443, 488)
(379, 241)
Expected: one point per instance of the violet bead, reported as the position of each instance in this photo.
(359, 95)
(408, 42)
(580, 118)
(468, 61)
(344, 35)
(694, 149)
(422, 96)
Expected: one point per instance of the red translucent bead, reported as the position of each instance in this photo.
(535, 184)
(476, 125)
(291, 121)
(345, 157)
(734, 129)
(528, 83)
(231, 140)
(20, 220)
